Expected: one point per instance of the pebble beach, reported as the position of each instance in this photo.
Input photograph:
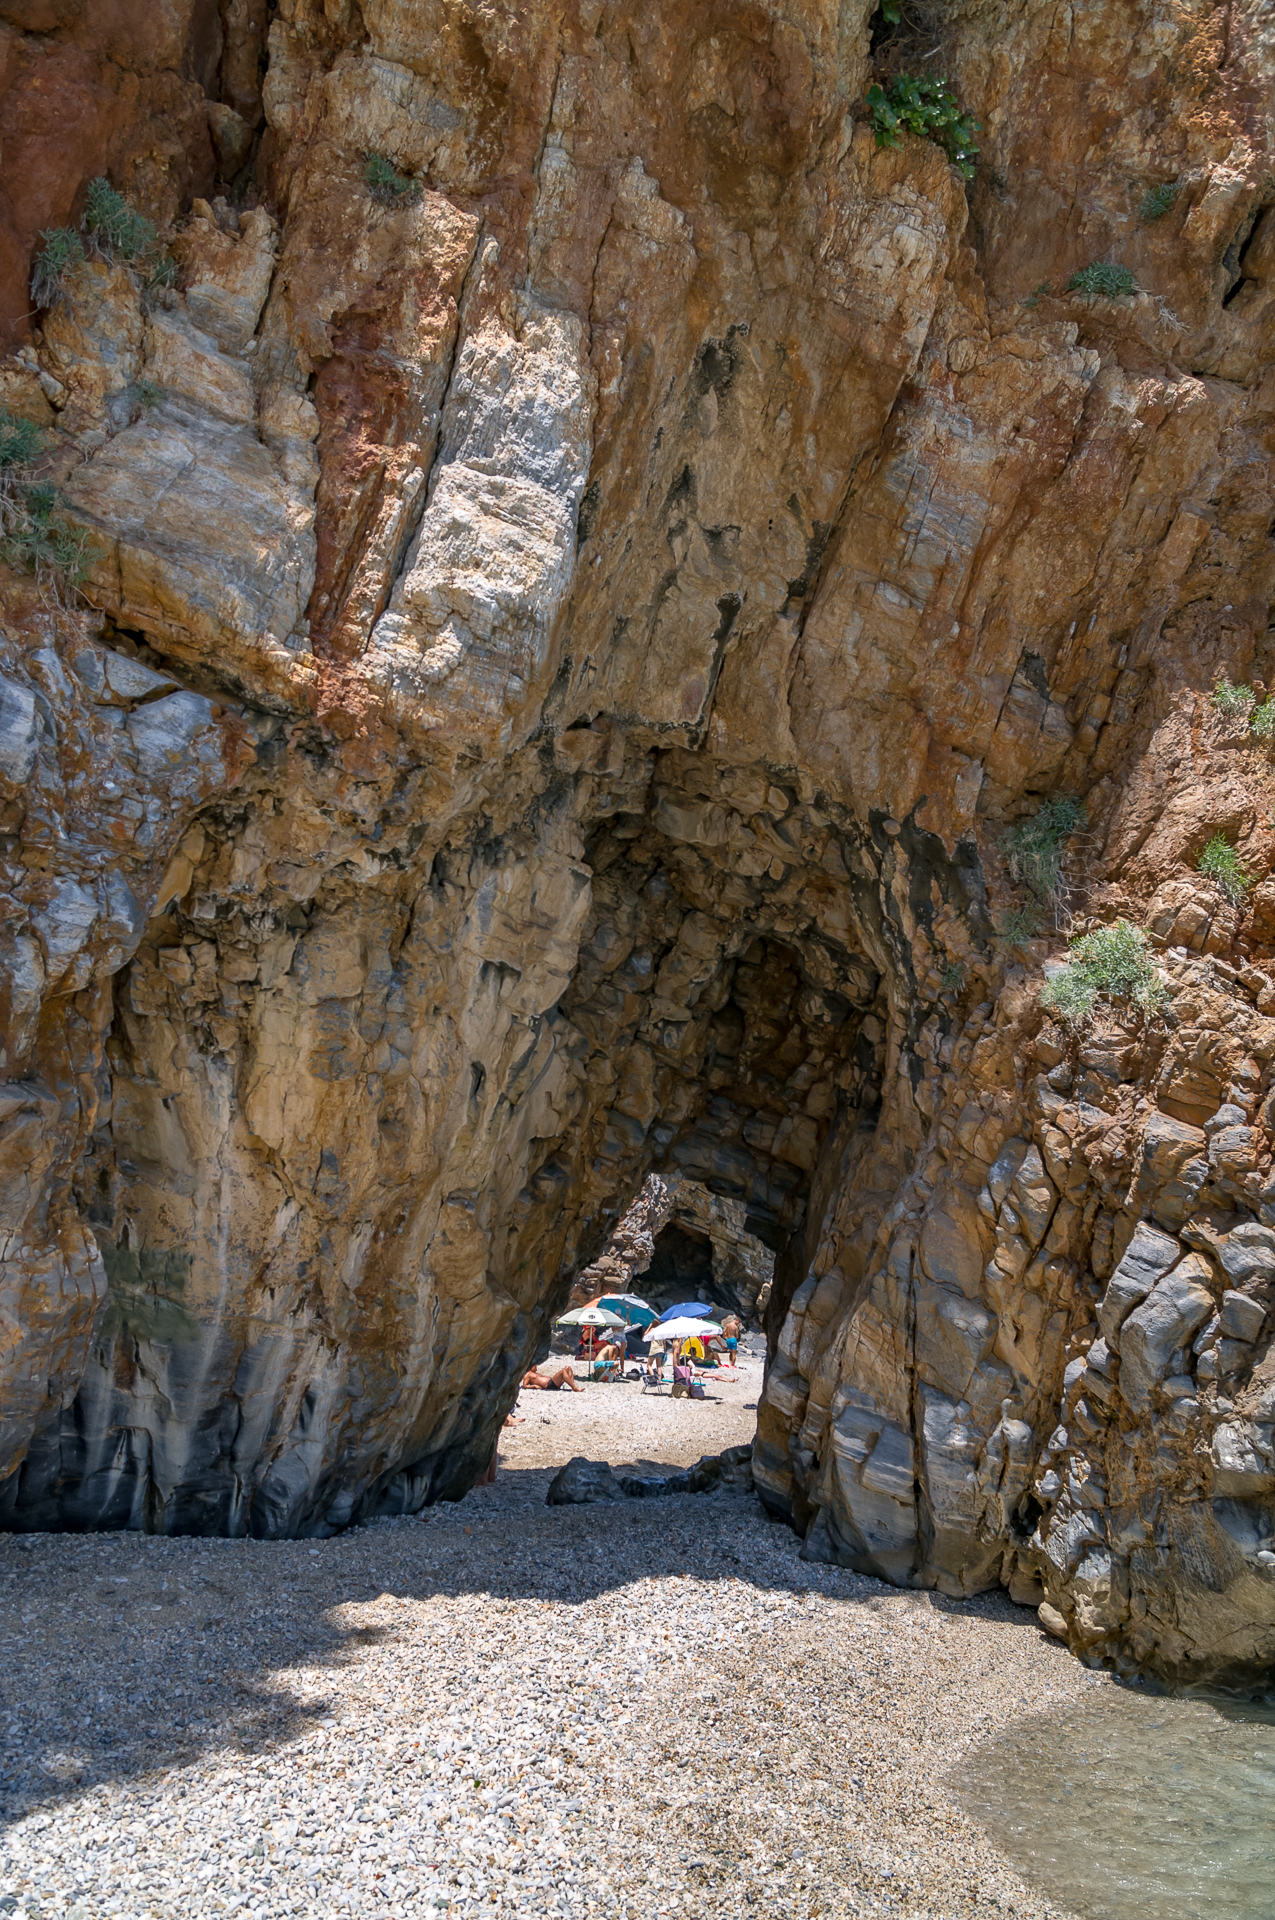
(641, 1708)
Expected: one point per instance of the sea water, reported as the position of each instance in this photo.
(1136, 1807)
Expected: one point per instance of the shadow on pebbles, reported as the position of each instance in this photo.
(639, 1708)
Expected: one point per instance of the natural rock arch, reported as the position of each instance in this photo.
(560, 655)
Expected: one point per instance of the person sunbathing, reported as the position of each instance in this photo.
(551, 1382)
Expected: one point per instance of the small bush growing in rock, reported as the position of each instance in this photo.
(926, 105)
(1111, 963)
(115, 227)
(1231, 700)
(36, 537)
(1020, 924)
(63, 250)
(385, 183)
(19, 441)
(1101, 277)
(1157, 201)
(1262, 725)
(35, 534)
(116, 231)
(1033, 848)
(1221, 864)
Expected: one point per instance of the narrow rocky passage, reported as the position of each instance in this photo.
(627, 1710)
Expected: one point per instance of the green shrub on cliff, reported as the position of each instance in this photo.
(1221, 864)
(1111, 963)
(928, 106)
(115, 227)
(116, 231)
(1020, 924)
(35, 534)
(62, 251)
(1262, 725)
(385, 183)
(1231, 700)
(20, 441)
(1033, 848)
(36, 537)
(1157, 201)
(1101, 277)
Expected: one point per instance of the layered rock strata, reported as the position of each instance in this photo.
(562, 646)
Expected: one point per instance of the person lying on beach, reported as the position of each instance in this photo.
(551, 1382)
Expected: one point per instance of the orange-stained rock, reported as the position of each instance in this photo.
(659, 557)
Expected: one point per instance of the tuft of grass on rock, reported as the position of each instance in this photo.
(116, 231)
(1101, 277)
(62, 252)
(37, 537)
(20, 441)
(1262, 725)
(1231, 700)
(1111, 963)
(114, 225)
(1034, 847)
(1157, 201)
(386, 184)
(1020, 924)
(1221, 864)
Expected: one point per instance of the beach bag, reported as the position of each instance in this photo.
(696, 1389)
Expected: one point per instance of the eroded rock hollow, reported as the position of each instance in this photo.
(590, 556)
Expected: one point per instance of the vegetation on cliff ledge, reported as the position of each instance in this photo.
(386, 184)
(116, 231)
(1103, 278)
(928, 106)
(1111, 963)
(1221, 864)
(35, 534)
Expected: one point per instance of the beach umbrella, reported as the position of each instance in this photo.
(591, 1317)
(688, 1310)
(637, 1312)
(685, 1329)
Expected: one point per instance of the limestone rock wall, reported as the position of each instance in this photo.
(560, 653)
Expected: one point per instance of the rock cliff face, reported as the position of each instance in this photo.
(563, 643)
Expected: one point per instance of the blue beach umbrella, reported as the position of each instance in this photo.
(638, 1312)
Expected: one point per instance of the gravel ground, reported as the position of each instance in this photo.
(630, 1710)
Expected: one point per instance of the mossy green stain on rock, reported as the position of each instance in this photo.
(146, 1295)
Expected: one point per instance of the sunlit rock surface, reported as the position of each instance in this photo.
(562, 651)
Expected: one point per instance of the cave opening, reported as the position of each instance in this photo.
(681, 1269)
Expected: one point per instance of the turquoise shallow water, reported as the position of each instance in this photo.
(1134, 1807)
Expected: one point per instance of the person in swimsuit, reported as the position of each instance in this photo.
(551, 1382)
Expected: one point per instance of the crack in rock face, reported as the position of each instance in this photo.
(567, 652)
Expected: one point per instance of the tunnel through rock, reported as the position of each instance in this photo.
(682, 1268)
(349, 1150)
